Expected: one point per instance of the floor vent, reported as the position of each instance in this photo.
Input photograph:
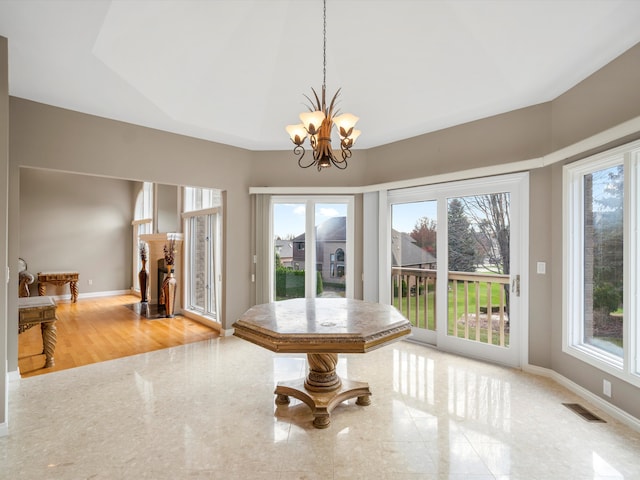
(583, 412)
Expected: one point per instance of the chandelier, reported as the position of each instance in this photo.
(318, 123)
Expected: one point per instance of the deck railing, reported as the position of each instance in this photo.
(477, 303)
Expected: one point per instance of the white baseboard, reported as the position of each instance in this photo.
(14, 375)
(599, 402)
(4, 429)
(201, 319)
(111, 293)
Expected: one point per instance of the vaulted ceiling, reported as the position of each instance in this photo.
(236, 72)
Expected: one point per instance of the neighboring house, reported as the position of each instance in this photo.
(405, 252)
(284, 248)
(331, 241)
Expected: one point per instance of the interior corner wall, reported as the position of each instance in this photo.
(14, 254)
(603, 101)
(607, 98)
(510, 137)
(540, 250)
(4, 229)
(358, 261)
(87, 220)
(52, 138)
(371, 248)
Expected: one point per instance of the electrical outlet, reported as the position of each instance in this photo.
(606, 388)
(90, 282)
(541, 268)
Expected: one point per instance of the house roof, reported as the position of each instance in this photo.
(405, 252)
(284, 248)
(332, 230)
(236, 72)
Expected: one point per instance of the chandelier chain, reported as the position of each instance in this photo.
(322, 117)
(324, 46)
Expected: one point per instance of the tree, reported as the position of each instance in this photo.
(424, 233)
(288, 236)
(490, 214)
(462, 252)
(604, 212)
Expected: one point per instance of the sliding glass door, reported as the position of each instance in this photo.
(456, 264)
(414, 264)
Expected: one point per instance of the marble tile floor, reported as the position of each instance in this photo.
(206, 411)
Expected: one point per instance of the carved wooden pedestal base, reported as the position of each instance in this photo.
(322, 390)
(40, 310)
(322, 328)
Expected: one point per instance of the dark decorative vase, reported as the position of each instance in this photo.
(143, 278)
(169, 292)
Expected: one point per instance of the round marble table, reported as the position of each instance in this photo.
(322, 328)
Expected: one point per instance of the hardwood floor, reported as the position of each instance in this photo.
(95, 330)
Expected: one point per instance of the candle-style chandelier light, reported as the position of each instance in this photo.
(318, 123)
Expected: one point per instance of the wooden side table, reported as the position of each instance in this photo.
(59, 278)
(40, 311)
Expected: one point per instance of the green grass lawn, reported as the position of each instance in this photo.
(408, 308)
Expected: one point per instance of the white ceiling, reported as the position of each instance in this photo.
(235, 71)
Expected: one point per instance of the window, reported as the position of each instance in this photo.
(142, 224)
(324, 224)
(201, 198)
(203, 225)
(339, 256)
(601, 272)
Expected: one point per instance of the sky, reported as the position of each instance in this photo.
(289, 218)
(404, 216)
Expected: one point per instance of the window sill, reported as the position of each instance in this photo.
(602, 361)
(208, 321)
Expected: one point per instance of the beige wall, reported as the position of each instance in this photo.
(48, 137)
(72, 222)
(540, 286)
(518, 135)
(608, 97)
(280, 169)
(52, 138)
(4, 221)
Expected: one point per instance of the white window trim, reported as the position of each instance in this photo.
(309, 201)
(216, 262)
(625, 368)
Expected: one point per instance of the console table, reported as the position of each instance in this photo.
(40, 311)
(322, 328)
(59, 278)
